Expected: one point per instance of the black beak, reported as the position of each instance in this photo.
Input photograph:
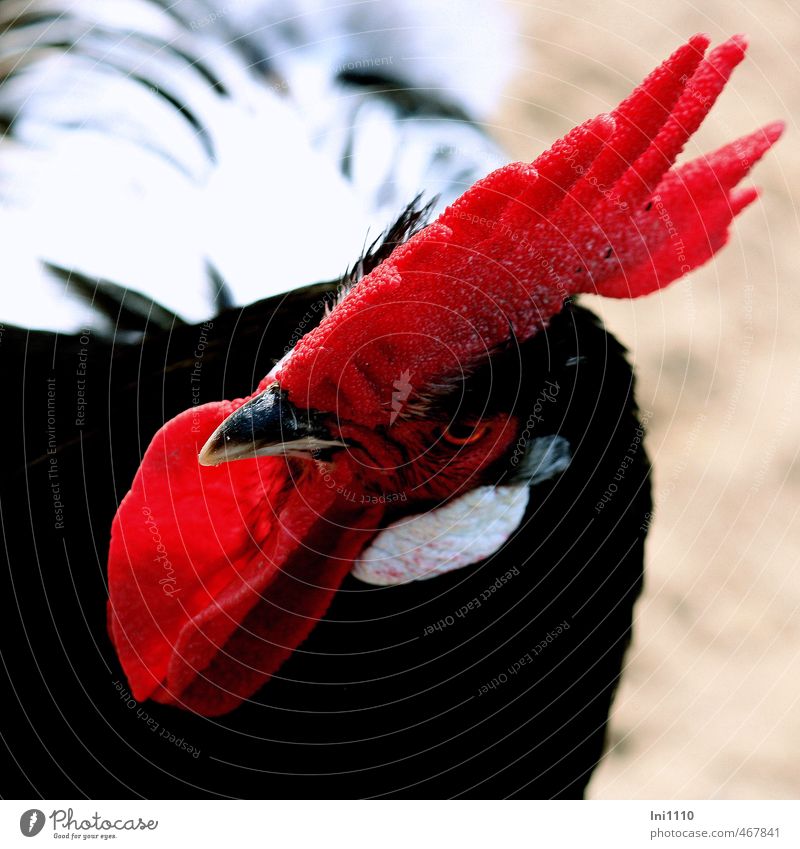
(266, 426)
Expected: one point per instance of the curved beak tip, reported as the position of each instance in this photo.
(217, 449)
(209, 453)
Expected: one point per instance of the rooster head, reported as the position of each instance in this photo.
(381, 443)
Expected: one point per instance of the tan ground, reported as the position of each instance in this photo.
(710, 705)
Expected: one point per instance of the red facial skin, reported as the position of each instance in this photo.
(217, 574)
(429, 466)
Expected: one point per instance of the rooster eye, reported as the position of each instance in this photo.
(458, 433)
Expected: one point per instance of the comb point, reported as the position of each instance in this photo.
(739, 40)
(742, 198)
(700, 41)
(773, 131)
(726, 56)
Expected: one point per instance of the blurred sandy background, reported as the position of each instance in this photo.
(710, 703)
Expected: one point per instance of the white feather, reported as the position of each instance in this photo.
(102, 174)
(464, 531)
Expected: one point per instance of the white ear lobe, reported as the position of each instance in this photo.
(462, 532)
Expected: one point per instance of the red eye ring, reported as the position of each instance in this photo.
(468, 437)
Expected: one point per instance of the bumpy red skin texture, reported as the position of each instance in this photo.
(600, 212)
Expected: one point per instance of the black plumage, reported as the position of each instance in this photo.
(418, 690)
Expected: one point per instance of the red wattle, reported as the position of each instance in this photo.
(217, 574)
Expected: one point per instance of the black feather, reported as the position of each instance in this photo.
(125, 309)
(411, 220)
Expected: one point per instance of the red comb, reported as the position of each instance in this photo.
(602, 211)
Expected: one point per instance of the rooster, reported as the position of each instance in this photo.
(404, 560)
